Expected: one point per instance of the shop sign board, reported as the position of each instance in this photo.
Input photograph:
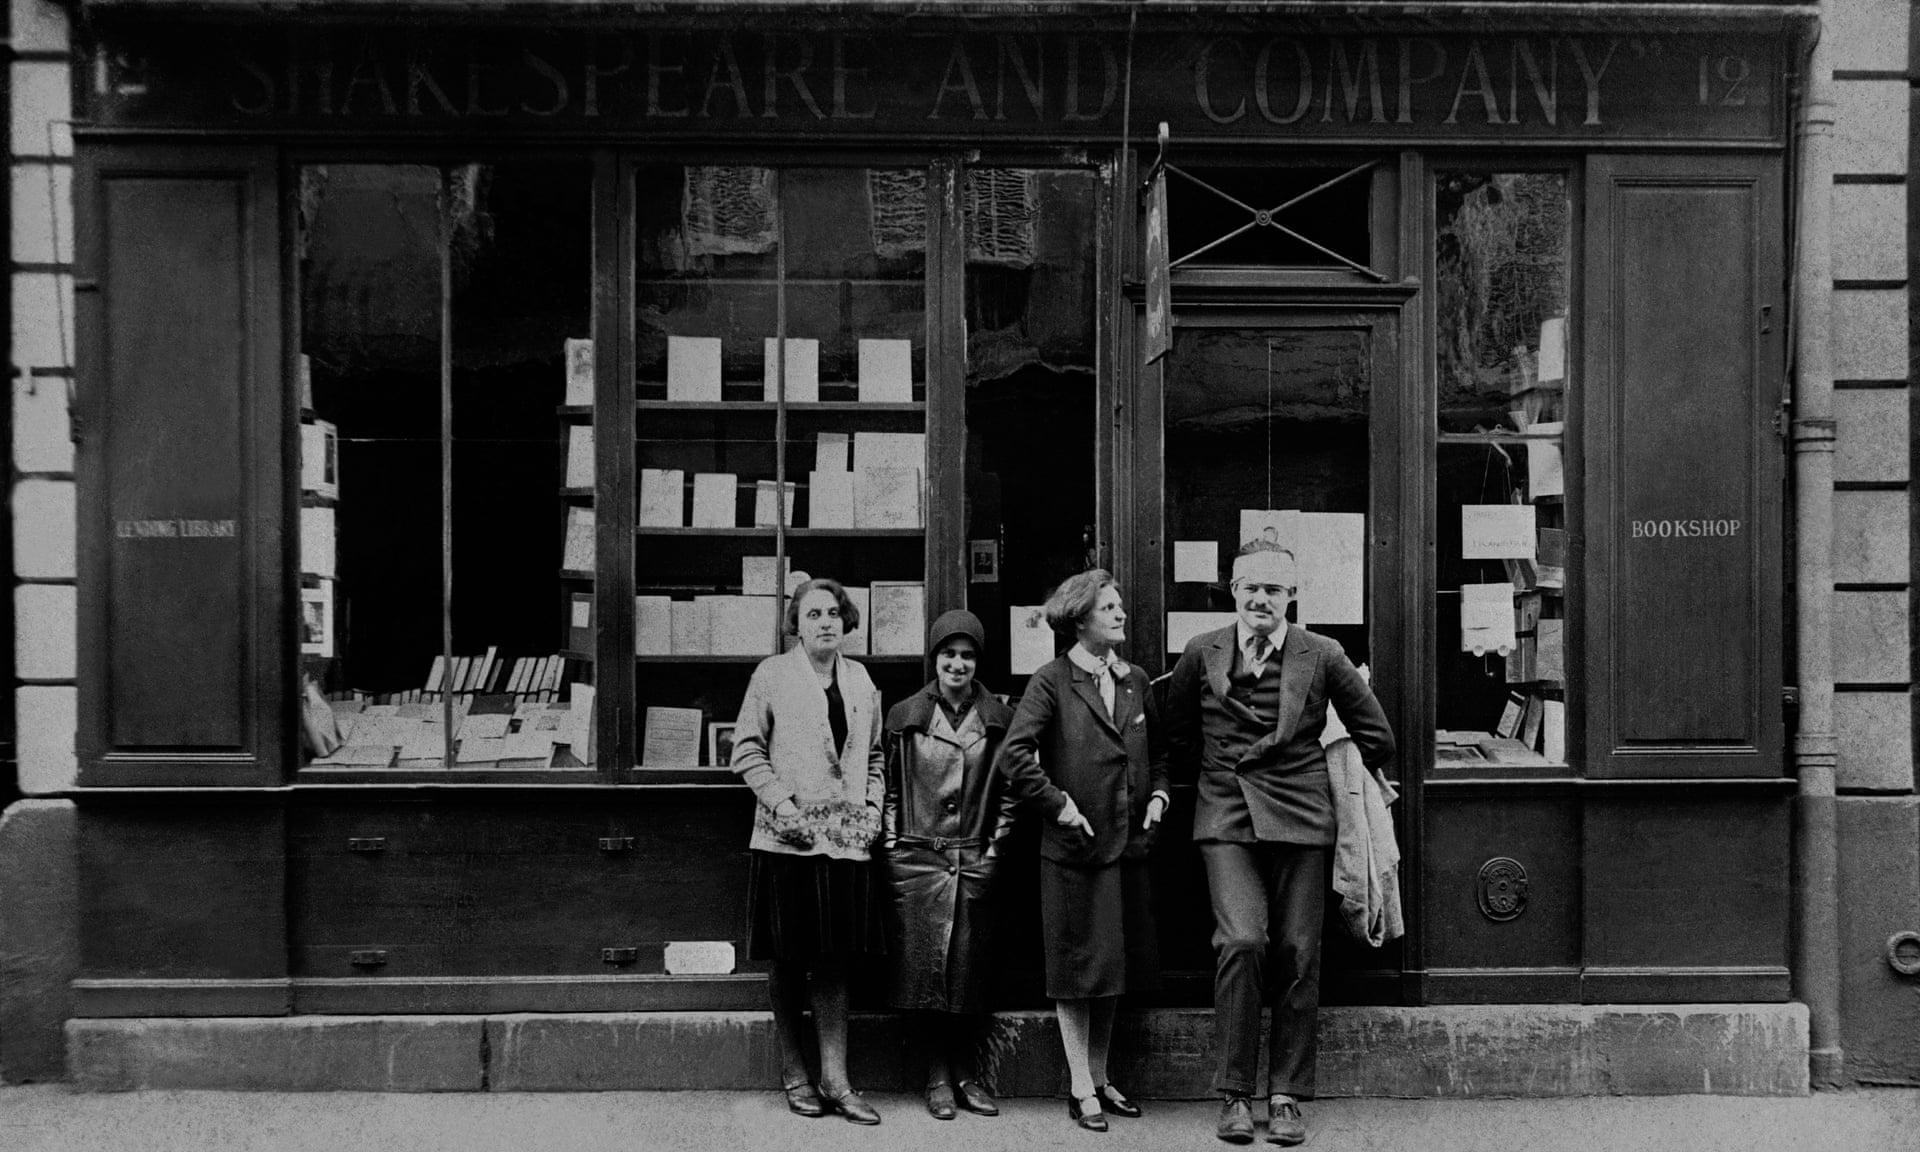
(1493, 87)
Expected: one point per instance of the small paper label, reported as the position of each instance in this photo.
(699, 958)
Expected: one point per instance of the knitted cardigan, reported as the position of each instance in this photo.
(783, 749)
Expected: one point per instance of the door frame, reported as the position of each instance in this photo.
(1399, 536)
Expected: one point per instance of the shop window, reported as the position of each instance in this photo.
(440, 491)
(1502, 296)
(1031, 259)
(781, 378)
(1270, 217)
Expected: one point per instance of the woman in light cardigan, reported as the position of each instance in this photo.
(808, 744)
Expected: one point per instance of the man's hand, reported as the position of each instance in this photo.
(1070, 815)
(1156, 808)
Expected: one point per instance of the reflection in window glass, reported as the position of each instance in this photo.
(1502, 291)
(1030, 237)
(1501, 288)
(372, 243)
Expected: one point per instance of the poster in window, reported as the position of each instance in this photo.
(316, 620)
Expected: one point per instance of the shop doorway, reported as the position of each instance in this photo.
(1279, 422)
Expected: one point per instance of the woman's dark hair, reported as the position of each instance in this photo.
(849, 614)
(1070, 603)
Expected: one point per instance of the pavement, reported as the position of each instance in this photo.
(54, 1118)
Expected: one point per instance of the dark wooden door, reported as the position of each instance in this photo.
(1265, 408)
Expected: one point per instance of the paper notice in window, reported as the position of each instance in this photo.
(832, 452)
(1330, 549)
(1544, 474)
(1030, 640)
(1497, 531)
(1486, 618)
(1196, 561)
(693, 368)
(1553, 350)
(886, 371)
(803, 371)
(671, 738)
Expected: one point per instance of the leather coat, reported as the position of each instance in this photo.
(945, 814)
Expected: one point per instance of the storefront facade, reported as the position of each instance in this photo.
(486, 377)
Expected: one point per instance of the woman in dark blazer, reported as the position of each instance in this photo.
(1085, 751)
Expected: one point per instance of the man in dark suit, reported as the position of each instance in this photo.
(1245, 710)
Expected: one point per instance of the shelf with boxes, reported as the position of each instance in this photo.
(780, 386)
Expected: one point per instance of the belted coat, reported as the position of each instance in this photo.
(945, 814)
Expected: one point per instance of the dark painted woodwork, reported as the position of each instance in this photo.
(946, 429)
(613, 449)
(208, 997)
(1682, 632)
(1501, 985)
(468, 887)
(1684, 882)
(742, 992)
(182, 892)
(944, 80)
(1729, 985)
(184, 649)
(1462, 834)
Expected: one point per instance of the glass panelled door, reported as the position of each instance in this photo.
(1272, 428)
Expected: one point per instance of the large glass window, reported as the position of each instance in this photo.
(780, 329)
(1502, 300)
(436, 309)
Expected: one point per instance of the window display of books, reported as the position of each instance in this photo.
(780, 380)
(518, 713)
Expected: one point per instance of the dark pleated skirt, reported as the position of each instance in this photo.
(804, 907)
(1098, 930)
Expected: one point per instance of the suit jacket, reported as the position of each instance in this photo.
(1062, 743)
(1242, 794)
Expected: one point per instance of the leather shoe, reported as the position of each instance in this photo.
(1090, 1118)
(848, 1103)
(1114, 1101)
(974, 1097)
(1236, 1121)
(940, 1101)
(802, 1100)
(1285, 1125)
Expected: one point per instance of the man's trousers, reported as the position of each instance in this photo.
(1269, 900)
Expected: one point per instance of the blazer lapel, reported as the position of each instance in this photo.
(1089, 693)
(1124, 704)
(1296, 676)
(1219, 661)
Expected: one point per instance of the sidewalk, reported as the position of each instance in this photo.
(54, 1119)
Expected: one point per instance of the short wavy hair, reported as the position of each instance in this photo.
(1073, 600)
(849, 612)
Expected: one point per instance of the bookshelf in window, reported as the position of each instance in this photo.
(780, 384)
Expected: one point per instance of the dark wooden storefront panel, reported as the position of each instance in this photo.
(181, 518)
(182, 906)
(1687, 896)
(1532, 955)
(1683, 632)
(471, 888)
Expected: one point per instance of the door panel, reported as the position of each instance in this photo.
(1683, 483)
